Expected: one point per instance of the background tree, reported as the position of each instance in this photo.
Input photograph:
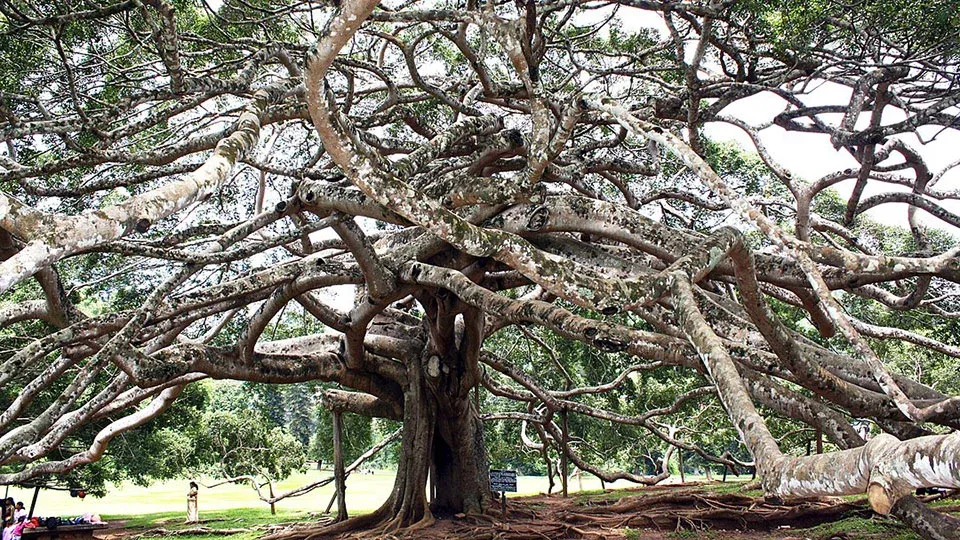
(241, 447)
(299, 405)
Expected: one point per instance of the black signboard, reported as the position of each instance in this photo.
(503, 480)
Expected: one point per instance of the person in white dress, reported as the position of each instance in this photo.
(19, 512)
(192, 514)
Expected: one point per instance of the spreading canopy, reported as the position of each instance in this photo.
(418, 176)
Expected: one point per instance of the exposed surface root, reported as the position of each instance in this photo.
(699, 510)
(160, 531)
(658, 510)
(303, 530)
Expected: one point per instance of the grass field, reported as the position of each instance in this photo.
(365, 492)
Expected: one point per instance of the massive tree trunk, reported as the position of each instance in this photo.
(442, 430)
(442, 435)
(447, 374)
(459, 459)
(408, 503)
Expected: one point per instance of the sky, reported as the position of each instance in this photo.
(810, 156)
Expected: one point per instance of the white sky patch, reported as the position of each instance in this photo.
(810, 156)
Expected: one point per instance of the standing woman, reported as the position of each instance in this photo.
(192, 516)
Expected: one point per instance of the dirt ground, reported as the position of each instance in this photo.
(650, 513)
(674, 512)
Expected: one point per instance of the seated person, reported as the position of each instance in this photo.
(18, 527)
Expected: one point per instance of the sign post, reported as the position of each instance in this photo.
(503, 481)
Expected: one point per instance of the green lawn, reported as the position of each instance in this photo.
(365, 492)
